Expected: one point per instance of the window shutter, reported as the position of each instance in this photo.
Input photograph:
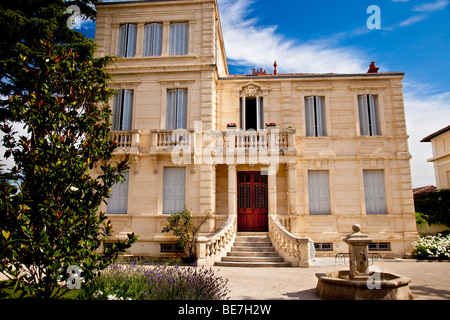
(118, 201)
(374, 192)
(117, 110)
(174, 190)
(363, 115)
(181, 109)
(319, 192)
(179, 39)
(260, 112)
(374, 118)
(131, 40)
(121, 48)
(309, 116)
(170, 109)
(320, 117)
(127, 109)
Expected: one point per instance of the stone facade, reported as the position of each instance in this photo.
(327, 163)
(440, 142)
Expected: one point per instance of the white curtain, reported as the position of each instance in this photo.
(118, 201)
(320, 117)
(374, 191)
(368, 115)
(127, 40)
(309, 117)
(122, 110)
(176, 114)
(174, 190)
(363, 115)
(179, 39)
(153, 39)
(374, 118)
(319, 192)
(260, 113)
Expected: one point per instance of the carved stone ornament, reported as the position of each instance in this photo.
(251, 91)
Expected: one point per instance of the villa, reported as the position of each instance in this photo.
(297, 158)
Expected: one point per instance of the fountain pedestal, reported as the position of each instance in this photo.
(358, 248)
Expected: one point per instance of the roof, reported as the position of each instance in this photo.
(433, 135)
(425, 189)
(310, 75)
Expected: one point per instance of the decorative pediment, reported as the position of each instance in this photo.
(251, 91)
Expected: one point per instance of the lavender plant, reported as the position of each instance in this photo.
(156, 282)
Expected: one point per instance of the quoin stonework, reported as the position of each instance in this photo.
(293, 156)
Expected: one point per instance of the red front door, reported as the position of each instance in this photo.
(252, 201)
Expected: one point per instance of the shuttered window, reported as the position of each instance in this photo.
(118, 201)
(369, 121)
(174, 190)
(176, 113)
(315, 117)
(319, 192)
(179, 39)
(374, 192)
(153, 34)
(127, 40)
(122, 110)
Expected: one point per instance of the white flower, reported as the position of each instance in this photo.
(73, 188)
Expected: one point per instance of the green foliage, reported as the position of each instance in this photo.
(186, 229)
(435, 206)
(60, 94)
(421, 219)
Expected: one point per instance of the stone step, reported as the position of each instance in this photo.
(254, 249)
(252, 254)
(252, 264)
(252, 259)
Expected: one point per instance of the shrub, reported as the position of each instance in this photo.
(432, 247)
(155, 282)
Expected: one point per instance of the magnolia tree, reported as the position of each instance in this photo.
(49, 217)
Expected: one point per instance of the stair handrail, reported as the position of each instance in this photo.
(212, 248)
(293, 249)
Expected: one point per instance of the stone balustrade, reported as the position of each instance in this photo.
(293, 249)
(212, 248)
(127, 141)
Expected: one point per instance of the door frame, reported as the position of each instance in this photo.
(252, 219)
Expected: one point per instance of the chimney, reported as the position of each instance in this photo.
(373, 68)
(275, 67)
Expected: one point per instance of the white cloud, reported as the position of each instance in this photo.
(425, 113)
(251, 45)
(412, 20)
(432, 6)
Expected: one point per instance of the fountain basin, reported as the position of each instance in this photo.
(338, 286)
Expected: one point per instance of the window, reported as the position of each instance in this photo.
(375, 196)
(153, 34)
(380, 246)
(127, 40)
(368, 115)
(179, 39)
(323, 246)
(315, 117)
(174, 190)
(123, 110)
(252, 113)
(170, 248)
(319, 192)
(118, 200)
(176, 112)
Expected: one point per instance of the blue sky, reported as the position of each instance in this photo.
(332, 36)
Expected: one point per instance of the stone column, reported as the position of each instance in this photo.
(232, 189)
(272, 184)
(292, 195)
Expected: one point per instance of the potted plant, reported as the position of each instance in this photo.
(271, 124)
(231, 125)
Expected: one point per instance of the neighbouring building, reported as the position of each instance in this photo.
(440, 143)
(294, 155)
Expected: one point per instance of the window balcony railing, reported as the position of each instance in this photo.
(127, 141)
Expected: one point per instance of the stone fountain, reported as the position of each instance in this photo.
(359, 283)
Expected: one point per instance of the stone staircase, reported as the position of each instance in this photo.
(252, 249)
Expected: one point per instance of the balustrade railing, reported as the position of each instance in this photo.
(212, 248)
(127, 141)
(294, 249)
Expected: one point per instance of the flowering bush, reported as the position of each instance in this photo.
(155, 282)
(432, 247)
